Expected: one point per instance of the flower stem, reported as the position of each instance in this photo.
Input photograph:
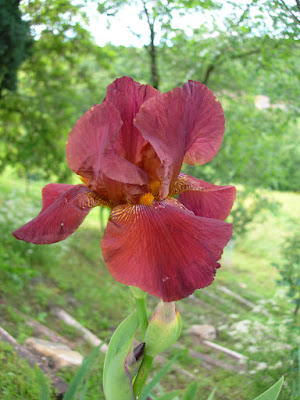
(142, 375)
(142, 314)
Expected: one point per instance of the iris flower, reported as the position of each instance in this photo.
(129, 151)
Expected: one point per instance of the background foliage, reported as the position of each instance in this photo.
(52, 70)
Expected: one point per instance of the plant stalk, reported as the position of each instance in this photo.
(142, 376)
(142, 314)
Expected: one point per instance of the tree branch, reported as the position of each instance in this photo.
(297, 20)
(152, 48)
(219, 61)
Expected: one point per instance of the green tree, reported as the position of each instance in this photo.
(58, 83)
(157, 16)
(290, 269)
(15, 43)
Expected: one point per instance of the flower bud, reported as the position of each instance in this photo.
(163, 329)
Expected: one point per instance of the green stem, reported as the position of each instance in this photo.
(142, 314)
(142, 375)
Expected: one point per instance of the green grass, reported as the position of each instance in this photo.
(72, 275)
(18, 380)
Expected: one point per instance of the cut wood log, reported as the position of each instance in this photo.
(213, 296)
(237, 297)
(86, 334)
(40, 329)
(242, 299)
(217, 363)
(210, 360)
(203, 304)
(200, 332)
(59, 354)
(231, 353)
(58, 383)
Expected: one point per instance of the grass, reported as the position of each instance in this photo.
(72, 275)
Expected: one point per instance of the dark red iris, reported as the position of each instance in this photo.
(129, 151)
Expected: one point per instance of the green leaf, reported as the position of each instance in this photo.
(81, 374)
(170, 395)
(44, 390)
(190, 391)
(83, 393)
(299, 370)
(116, 378)
(273, 392)
(147, 390)
(212, 394)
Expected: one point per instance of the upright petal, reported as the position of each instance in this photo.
(205, 124)
(203, 198)
(89, 152)
(164, 249)
(160, 121)
(127, 96)
(90, 137)
(182, 125)
(62, 217)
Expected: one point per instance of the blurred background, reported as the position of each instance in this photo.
(56, 59)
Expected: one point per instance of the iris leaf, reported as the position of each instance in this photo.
(212, 394)
(116, 378)
(273, 392)
(170, 395)
(81, 374)
(44, 390)
(147, 390)
(190, 392)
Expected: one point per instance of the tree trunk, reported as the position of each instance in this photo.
(152, 49)
(153, 60)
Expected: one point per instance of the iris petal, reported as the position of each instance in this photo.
(164, 249)
(90, 153)
(59, 217)
(182, 125)
(52, 192)
(127, 96)
(205, 123)
(203, 198)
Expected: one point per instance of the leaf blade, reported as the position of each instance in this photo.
(147, 390)
(190, 392)
(273, 392)
(114, 364)
(81, 374)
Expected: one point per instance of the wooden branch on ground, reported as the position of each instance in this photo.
(233, 354)
(242, 300)
(203, 304)
(217, 363)
(41, 329)
(218, 299)
(87, 335)
(237, 297)
(58, 383)
(210, 360)
(163, 360)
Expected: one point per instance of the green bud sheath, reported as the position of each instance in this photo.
(163, 329)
